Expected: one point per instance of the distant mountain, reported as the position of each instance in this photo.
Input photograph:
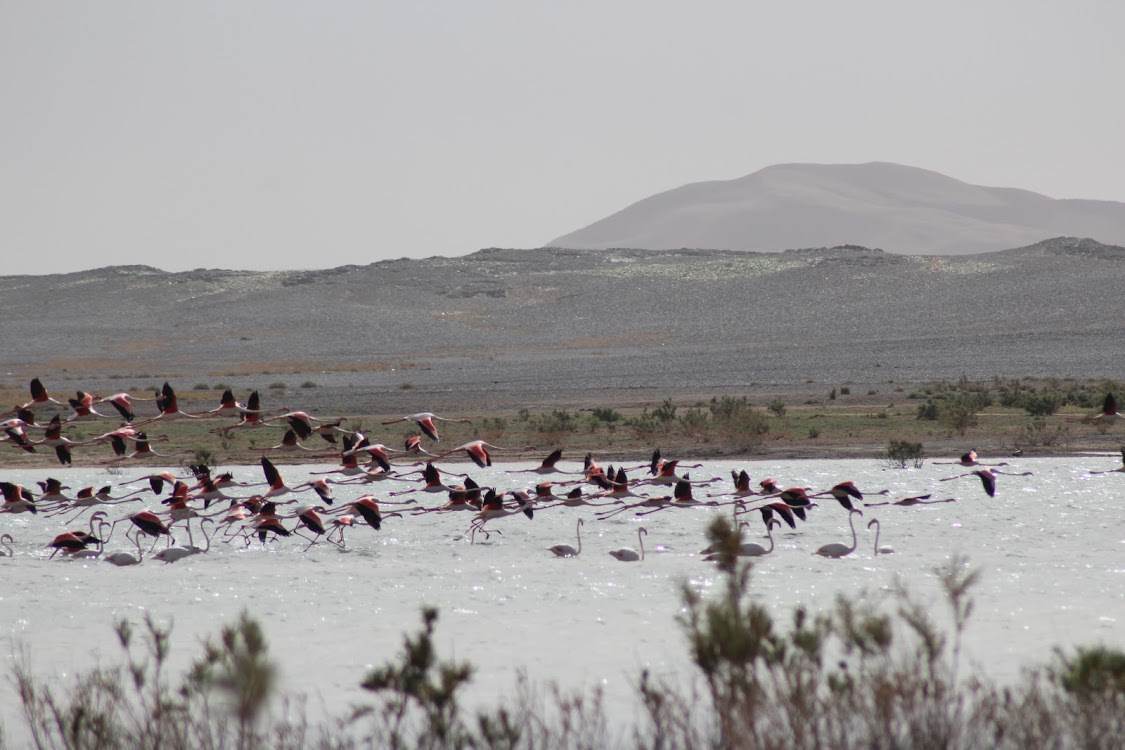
(889, 206)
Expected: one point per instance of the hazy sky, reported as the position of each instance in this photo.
(267, 134)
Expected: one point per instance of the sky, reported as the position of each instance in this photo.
(268, 134)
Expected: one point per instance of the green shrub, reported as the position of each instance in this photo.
(903, 453)
(777, 406)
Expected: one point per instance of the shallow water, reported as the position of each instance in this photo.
(1050, 547)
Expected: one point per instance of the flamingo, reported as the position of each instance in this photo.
(39, 396)
(460, 498)
(367, 508)
(425, 422)
(169, 407)
(17, 499)
(967, 459)
(53, 437)
(123, 403)
(845, 492)
(122, 559)
(885, 549)
(72, 541)
(565, 550)
(52, 492)
(142, 449)
(433, 481)
(288, 443)
(838, 549)
(548, 465)
(987, 478)
(310, 519)
(575, 499)
(146, 522)
(493, 507)
(83, 407)
(741, 486)
(748, 549)
(915, 500)
(1104, 419)
(628, 554)
(173, 554)
(1120, 468)
(6, 542)
(480, 452)
(250, 415)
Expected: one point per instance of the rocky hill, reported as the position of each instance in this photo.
(891, 206)
(537, 323)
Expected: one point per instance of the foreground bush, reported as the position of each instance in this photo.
(863, 675)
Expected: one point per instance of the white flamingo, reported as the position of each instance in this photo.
(748, 549)
(839, 549)
(628, 554)
(885, 549)
(565, 550)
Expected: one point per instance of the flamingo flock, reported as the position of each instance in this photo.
(273, 510)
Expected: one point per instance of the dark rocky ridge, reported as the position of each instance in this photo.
(531, 326)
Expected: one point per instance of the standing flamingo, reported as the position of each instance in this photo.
(748, 549)
(6, 542)
(838, 549)
(565, 550)
(885, 549)
(628, 554)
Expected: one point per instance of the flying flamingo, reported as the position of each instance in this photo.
(367, 508)
(432, 481)
(885, 549)
(83, 407)
(460, 498)
(123, 403)
(845, 492)
(311, 520)
(249, 416)
(915, 500)
(681, 498)
(169, 407)
(288, 444)
(628, 554)
(987, 478)
(742, 486)
(967, 459)
(52, 492)
(146, 522)
(565, 550)
(493, 507)
(17, 499)
(425, 422)
(838, 549)
(142, 449)
(575, 499)
(548, 465)
(39, 396)
(53, 437)
(1120, 468)
(1104, 419)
